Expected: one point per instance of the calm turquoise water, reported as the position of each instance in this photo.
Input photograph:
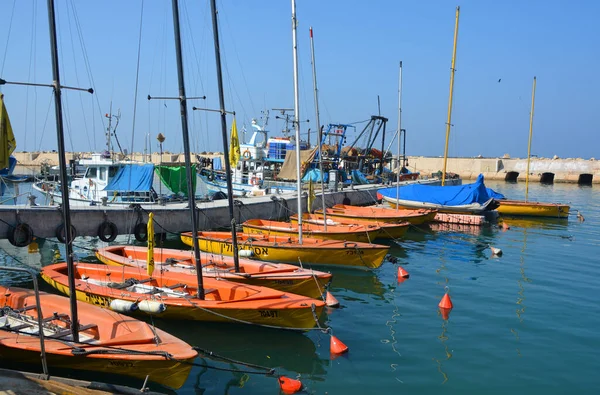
(527, 322)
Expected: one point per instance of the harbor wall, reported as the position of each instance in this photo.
(570, 170)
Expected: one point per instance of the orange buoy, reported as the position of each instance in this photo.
(336, 346)
(445, 313)
(496, 251)
(330, 300)
(445, 303)
(402, 273)
(505, 226)
(289, 386)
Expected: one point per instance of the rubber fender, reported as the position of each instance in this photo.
(140, 231)
(60, 232)
(107, 231)
(21, 235)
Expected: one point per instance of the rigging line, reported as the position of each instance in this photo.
(87, 64)
(137, 78)
(12, 13)
(75, 68)
(32, 53)
(45, 121)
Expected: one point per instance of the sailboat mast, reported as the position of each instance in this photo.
(319, 134)
(297, 119)
(186, 147)
(399, 133)
(530, 137)
(449, 121)
(213, 10)
(64, 186)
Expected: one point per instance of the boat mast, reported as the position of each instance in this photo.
(452, 70)
(319, 132)
(530, 136)
(399, 134)
(213, 10)
(64, 186)
(297, 119)
(186, 147)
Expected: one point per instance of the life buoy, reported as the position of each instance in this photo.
(107, 231)
(140, 231)
(21, 235)
(60, 232)
(246, 154)
(254, 181)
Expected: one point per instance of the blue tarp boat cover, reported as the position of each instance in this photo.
(133, 178)
(315, 176)
(455, 195)
(358, 178)
(217, 164)
(495, 195)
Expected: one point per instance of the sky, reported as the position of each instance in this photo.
(502, 45)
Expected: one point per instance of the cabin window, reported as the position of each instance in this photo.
(91, 172)
(112, 170)
(103, 173)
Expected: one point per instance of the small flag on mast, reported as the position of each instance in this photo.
(234, 145)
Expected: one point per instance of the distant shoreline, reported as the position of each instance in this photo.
(570, 170)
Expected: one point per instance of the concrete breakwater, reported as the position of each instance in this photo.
(547, 170)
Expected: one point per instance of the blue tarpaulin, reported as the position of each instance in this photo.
(217, 163)
(454, 195)
(315, 176)
(358, 178)
(133, 178)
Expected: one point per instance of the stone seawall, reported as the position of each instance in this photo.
(584, 171)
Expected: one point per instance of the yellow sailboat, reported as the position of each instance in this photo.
(379, 214)
(525, 207)
(290, 250)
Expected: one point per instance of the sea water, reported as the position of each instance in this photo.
(527, 322)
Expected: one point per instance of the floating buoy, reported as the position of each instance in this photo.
(289, 386)
(151, 306)
(496, 251)
(445, 303)
(580, 217)
(402, 273)
(336, 347)
(330, 300)
(445, 313)
(505, 226)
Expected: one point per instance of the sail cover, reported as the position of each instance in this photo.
(455, 195)
(174, 177)
(132, 178)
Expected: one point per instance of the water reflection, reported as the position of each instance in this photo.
(521, 306)
(364, 282)
(292, 351)
(536, 223)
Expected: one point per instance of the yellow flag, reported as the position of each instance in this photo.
(234, 146)
(150, 230)
(311, 196)
(7, 138)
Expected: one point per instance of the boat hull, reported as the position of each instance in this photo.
(24, 348)
(380, 214)
(474, 208)
(386, 230)
(533, 209)
(287, 250)
(276, 228)
(264, 307)
(282, 277)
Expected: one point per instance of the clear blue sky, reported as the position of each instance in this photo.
(358, 46)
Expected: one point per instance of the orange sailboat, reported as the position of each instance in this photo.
(172, 295)
(279, 276)
(379, 214)
(108, 342)
(362, 233)
(387, 230)
(290, 250)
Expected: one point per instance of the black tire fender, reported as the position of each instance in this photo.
(60, 232)
(21, 235)
(141, 231)
(107, 231)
